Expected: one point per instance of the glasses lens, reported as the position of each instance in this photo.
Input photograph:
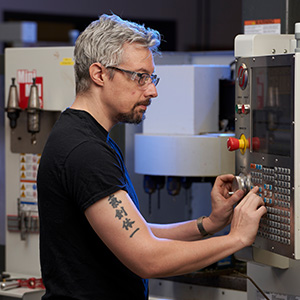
(154, 79)
(147, 79)
(144, 78)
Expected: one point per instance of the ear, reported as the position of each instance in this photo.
(97, 73)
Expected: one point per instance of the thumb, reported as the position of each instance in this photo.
(237, 196)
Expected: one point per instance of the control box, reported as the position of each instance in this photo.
(267, 145)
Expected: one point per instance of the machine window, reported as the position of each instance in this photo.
(272, 111)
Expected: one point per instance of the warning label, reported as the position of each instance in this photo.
(29, 164)
(267, 26)
(67, 61)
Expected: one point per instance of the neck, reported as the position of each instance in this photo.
(89, 104)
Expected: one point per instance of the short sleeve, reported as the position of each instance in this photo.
(92, 171)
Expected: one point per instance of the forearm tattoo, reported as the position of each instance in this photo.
(122, 215)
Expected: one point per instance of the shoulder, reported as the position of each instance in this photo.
(92, 154)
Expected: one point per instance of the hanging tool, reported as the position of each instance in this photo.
(173, 185)
(31, 283)
(33, 112)
(149, 187)
(186, 183)
(13, 109)
(160, 183)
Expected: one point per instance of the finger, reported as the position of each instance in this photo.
(226, 182)
(253, 201)
(262, 210)
(236, 196)
(223, 185)
(254, 190)
(251, 194)
(226, 177)
(223, 179)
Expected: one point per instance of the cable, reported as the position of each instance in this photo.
(253, 282)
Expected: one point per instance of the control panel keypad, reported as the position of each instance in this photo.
(275, 188)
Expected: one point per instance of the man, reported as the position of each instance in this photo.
(94, 243)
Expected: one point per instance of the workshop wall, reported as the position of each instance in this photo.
(199, 24)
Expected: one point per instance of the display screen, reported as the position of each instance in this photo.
(272, 102)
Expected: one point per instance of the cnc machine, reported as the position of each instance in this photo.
(267, 155)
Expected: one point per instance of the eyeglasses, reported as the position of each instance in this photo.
(142, 78)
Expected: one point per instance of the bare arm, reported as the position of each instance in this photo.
(221, 215)
(132, 241)
(182, 231)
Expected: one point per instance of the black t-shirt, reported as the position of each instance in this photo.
(80, 165)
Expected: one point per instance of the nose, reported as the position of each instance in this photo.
(151, 91)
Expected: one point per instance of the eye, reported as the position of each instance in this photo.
(144, 77)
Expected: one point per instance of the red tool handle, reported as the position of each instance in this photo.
(32, 283)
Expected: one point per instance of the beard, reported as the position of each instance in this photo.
(136, 115)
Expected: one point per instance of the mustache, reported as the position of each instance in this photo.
(145, 103)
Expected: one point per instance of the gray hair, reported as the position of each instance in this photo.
(102, 41)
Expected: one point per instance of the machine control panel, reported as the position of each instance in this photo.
(264, 144)
(275, 189)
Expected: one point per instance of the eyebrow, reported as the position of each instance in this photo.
(142, 70)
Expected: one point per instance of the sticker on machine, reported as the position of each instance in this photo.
(275, 296)
(29, 191)
(267, 26)
(29, 164)
(25, 81)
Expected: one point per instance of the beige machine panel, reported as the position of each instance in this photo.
(52, 70)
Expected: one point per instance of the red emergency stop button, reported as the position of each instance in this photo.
(233, 144)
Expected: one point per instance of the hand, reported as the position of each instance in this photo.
(222, 203)
(247, 215)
